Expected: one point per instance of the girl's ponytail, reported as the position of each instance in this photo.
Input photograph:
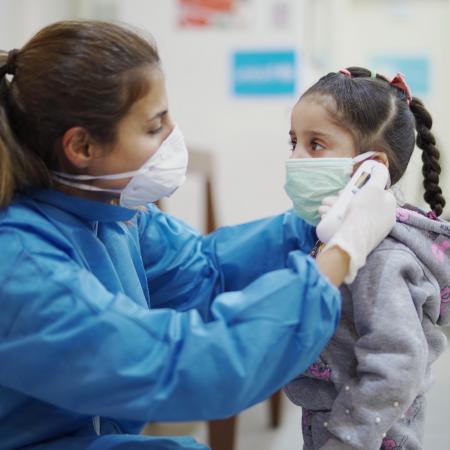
(430, 156)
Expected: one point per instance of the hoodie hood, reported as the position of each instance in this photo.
(429, 239)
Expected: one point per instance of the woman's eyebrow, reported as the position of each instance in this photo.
(158, 115)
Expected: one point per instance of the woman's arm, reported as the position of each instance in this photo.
(66, 340)
(333, 264)
(186, 270)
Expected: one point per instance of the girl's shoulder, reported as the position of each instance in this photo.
(419, 240)
(414, 258)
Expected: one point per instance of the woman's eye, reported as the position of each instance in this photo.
(315, 146)
(155, 130)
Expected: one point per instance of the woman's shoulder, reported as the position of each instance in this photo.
(22, 213)
(25, 227)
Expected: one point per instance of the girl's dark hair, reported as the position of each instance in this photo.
(71, 73)
(380, 116)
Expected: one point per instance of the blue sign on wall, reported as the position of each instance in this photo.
(264, 73)
(415, 68)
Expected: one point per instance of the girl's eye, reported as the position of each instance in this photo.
(292, 144)
(315, 146)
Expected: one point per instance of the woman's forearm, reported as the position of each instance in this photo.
(334, 264)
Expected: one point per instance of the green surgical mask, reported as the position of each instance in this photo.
(310, 180)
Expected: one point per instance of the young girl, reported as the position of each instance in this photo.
(113, 316)
(366, 390)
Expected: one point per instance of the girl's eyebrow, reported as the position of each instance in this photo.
(316, 133)
(319, 133)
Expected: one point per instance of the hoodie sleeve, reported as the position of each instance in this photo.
(391, 350)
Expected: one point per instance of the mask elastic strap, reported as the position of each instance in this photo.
(114, 176)
(363, 156)
(85, 187)
(367, 155)
(175, 134)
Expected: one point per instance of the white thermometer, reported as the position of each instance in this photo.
(331, 222)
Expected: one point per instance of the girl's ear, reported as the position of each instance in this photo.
(382, 158)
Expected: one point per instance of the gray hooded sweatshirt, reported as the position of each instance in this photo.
(366, 389)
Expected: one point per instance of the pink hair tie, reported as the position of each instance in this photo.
(399, 82)
(345, 72)
(432, 215)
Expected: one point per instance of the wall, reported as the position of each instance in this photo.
(363, 28)
(248, 138)
(20, 19)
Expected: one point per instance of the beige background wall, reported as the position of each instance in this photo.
(248, 137)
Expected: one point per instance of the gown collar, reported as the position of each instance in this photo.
(90, 210)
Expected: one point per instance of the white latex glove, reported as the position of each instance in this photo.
(369, 219)
(326, 205)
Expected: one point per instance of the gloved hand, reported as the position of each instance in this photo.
(326, 205)
(368, 220)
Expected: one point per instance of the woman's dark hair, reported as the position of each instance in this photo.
(71, 73)
(380, 116)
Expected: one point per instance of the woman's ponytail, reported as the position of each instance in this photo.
(7, 185)
(18, 167)
(430, 156)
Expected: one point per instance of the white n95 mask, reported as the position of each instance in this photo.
(160, 176)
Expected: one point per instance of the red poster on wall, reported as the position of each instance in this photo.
(209, 13)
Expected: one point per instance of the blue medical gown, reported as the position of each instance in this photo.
(112, 318)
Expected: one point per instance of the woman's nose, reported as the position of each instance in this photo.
(170, 121)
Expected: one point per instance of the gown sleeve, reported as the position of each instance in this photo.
(186, 270)
(68, 341)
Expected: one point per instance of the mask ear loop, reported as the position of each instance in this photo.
(367, 155)
(363, 156)
(84, 186)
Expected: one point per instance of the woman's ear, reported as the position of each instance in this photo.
(77, 147)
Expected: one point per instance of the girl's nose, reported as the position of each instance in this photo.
(300, 152)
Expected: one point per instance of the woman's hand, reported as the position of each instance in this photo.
(369, 219)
